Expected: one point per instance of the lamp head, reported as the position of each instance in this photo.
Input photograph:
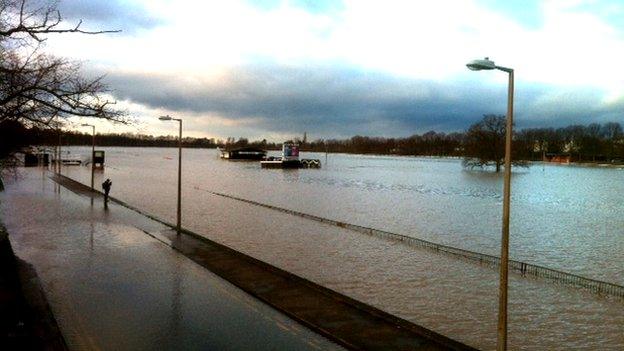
(86, 125)
(165, 118)
(478, 65)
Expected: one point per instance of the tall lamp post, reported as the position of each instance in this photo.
(487, 64)
(179, 222)
(92, 153)
(59, 161)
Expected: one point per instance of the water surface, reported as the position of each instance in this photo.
(567, 218)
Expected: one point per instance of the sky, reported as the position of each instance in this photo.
(275, 69)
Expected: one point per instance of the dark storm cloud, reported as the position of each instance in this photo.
(553, 106)
(335, 101)
(108, 14)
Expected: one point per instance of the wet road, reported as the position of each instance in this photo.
(111, 286)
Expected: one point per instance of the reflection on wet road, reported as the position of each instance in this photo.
(112, 287)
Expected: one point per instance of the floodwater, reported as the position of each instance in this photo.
(563, 217)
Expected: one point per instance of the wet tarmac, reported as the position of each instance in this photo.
(113, 287)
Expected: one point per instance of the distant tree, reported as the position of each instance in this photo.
(535, 143)
(553, 141)
(485, 144)
(591, 141)
(573, 136)
(241, 142)
(612, 132)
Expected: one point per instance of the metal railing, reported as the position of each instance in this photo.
(523, 268)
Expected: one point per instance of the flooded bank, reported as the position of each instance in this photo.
(453, 297)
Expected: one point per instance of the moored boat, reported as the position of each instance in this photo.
(289, 159)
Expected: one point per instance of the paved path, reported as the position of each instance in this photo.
(113, 287)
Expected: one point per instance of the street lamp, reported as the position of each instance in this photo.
(59, 160)
(92, 153)
(169, 118)
(487, 64)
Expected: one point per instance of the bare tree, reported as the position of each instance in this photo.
(34, 19)
(36, 87)
(612, 132)
(485, 144)
(39, 88)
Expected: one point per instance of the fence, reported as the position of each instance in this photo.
(523, 268)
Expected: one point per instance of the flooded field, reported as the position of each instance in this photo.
(567, 218)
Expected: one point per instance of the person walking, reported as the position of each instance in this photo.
(106, 186)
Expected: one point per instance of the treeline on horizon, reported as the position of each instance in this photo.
(592, 142)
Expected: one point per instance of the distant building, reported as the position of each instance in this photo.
(244, 153)
(558, 158)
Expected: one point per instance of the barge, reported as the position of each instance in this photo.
(290, 159)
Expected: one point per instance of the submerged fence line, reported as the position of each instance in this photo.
(595, 286)
(523, 268)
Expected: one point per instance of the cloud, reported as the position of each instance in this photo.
(109, 15)
(318, 99)
(332, 101)
(549, 42)
(356, 67)
(527, 13)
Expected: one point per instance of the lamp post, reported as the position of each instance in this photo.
(487, 64)
(179, 221)
(60, 153)
(92, 153)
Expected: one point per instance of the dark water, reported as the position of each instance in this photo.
(567, 218)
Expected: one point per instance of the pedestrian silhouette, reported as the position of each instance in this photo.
(106, 186)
